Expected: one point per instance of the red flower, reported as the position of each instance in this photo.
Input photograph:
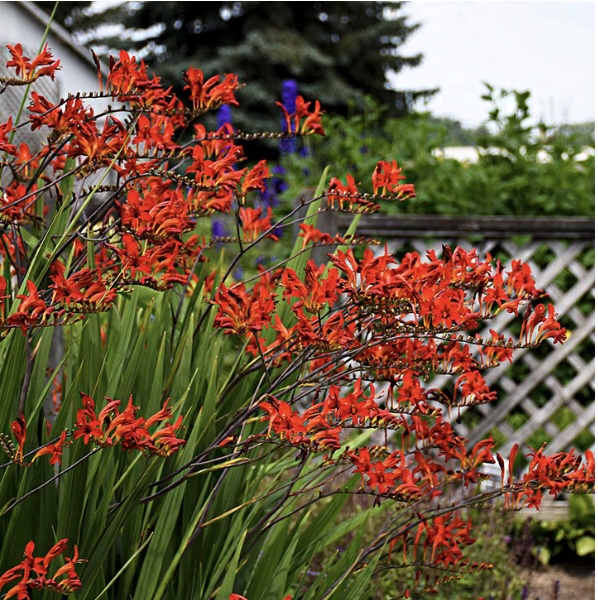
(319, 289)
(19, 430)
(302, 121)
(386, 179)
(253, 226)
(5, 129)
(112, 427)
(43, 64)
(255, 178)
(33, 573)
(283, 419)
(54, 450)
(309, 233)
(241, 313)
(210, 94)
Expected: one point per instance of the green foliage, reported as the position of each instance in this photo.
(157, 545)
(523, 169)
(572, 537)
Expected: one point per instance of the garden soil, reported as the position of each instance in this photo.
(577, 579)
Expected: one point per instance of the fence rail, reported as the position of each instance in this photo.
(547, 394)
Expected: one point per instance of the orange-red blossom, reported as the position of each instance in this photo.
(32, 573)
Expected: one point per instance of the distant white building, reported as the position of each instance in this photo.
(471, 154)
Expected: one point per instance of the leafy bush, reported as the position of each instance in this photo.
(523, 168)
(566, 539)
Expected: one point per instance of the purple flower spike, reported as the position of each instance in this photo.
(224, 116)
(289, 97)
(218, 229)
(289, 94)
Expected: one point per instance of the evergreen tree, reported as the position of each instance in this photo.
(338, 52)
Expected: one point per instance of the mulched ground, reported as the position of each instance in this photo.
(575, 582)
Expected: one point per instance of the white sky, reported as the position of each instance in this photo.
(547, 47)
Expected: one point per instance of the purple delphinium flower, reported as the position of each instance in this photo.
(289, 94)
(270, 196)
(275, 186)
(289, 97)
(218, 229)
(224, 116)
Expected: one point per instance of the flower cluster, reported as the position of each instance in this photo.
(555, 474)
(29, 70)
(366, 335)
(32, 573)
(416, 317)
(109, 427)
(145, 229)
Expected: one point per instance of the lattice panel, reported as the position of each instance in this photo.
(547, 394)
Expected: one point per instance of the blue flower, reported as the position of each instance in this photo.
(289, 94)
(289, 97)
(224, 116)
(218, 229)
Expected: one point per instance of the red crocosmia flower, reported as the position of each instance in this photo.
(154, 130)
(283, 420)
(19, 430)
(30, 70)
(473, 388)
(318, 290)
(382, 475)
(6, 129)
(386, 179)
(113, 427)
(548, 327)
(312, 123)
(497, 352)
(309, 233)
(520, 279)
(241, 313)
(165, 441)
(87, 425)
(255, 179)
(61, 120)
(302, 121)
(126, 75)
(33, 573)
(254, 225)
(345, 197)
(31, 309)
(210, 94)
(54, 450)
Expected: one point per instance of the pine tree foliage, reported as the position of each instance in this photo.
(338, 52)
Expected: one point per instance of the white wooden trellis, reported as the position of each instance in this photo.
(567, 239)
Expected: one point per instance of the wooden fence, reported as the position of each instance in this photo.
(547, 394)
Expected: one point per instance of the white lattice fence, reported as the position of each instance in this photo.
(547, 394)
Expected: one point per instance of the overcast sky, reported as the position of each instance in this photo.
(547, 47)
